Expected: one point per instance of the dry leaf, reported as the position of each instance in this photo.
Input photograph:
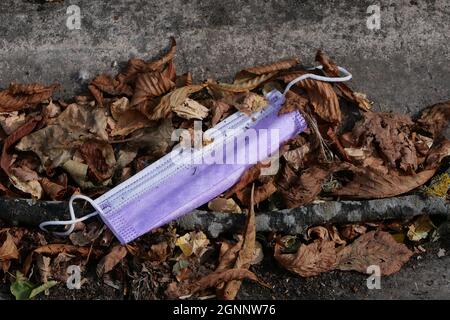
(309, 260)
(193, 243)
(19, 96)
(224, 205)
(128, 120)
(435, 119)
(150, 85)
(321, 96)
(389, 134)
(8, 248)
(172, 100)
(100, 159)
(374, 248)
(11, 121)
(57, 142)
(420, 229)
(109, 261)
(330, 69)
(245, 256)
(191, 109)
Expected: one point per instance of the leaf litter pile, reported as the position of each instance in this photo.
(55, 148)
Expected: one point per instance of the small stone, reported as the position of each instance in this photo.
(83, 76)
(441, 253)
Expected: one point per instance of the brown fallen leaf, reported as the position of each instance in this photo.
(187, 288)
(172, 100)
(224, 205)
(294, 101)
(228, 254)
(245, 256)
(21, 132)
(128, 120)
(55, 191)
(374, 248)
(191, 109)
(371, 182)
(109, 261)
(266, 68)
(435, 118)
(159, 252)
(68, 131)
(8, 248)
(100, 158)
(22, 96)
(309, 260)
(389, 134)
(57, 248)
(248, 177)
(137, 66)
(150, 85)
(330, 69)
(321, 96)
(297, 190)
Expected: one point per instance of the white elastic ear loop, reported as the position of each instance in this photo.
(73, 220)
(347, 76)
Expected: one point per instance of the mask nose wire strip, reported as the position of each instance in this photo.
(73, 219)
(347, 76)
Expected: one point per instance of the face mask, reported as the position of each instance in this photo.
(187, 178)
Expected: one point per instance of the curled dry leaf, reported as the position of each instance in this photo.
(266, 68)
(100, 159)
(219, 109)
(297, 190)
(109, 261)
(56, 191)
(150, 85)
(223, 89)
(191, 109)
(294, 101)
(435, 119)
(321, 96)
(245, 256)
(137, 66)
(374, 248)
(8, 248)
(389, 134)
(11, 121)
(420, 229)
(172, 100)
(309, 260)
(224, 205)
(193, 243)
(330, 69)
(18, 134)
(186, 288)
(57, 248)
(19, 96)
(128, 120)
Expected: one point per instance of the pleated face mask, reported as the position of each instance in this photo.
(187, 177)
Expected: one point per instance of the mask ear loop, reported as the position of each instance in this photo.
(73, 219)
(347, 76)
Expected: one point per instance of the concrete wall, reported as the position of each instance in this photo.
(404, 66)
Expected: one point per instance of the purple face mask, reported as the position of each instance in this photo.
(187, 178)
